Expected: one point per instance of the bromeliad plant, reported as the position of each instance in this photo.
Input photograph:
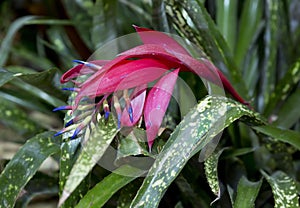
(159, 58)
(117, 107)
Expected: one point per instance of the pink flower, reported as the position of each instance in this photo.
(126, 79)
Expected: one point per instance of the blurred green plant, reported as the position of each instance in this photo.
(256, 163)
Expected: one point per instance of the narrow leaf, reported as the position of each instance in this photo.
(284, 87)
(211, 173)
(104, 190)
(287, 136)
(246, 193)
(5, 76)
(94, 148)
(289, 112)
(197, 26)
(284, 189)
(8, 39)
(198, 128)
(24, 165)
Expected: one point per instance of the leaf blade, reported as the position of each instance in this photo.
(24, 165)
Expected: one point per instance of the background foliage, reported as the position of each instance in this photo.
(257, 161)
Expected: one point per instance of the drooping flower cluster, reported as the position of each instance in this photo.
(125, 80)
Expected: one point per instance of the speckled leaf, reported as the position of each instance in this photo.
(127, 193)
(17, 119)
(270, 47)
(284, 87)
(109, 186)
(93, 149)
(198, 128)
(284, 189)
(247, 192)
(24, 165)
(211, 173)
(287, 136)
(69, 154)
(134, 144)
(194, 23)
(40, 185)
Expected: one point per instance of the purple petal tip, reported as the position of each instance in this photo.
(58, 133)
(73, 89)
(79, 61)
(62, 108)
(130, 112)
(106, 115)
(75, 134)
(69, 123)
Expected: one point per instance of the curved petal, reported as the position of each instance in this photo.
(80, 69)
(156, 104)
(202, 67)
(137, 104)
(155, 37)
(124, 76)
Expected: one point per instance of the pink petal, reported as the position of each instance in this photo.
(123, 76)
(137, 104)
(155, 37)
(156, 104)
(203, 67)
(79, 70)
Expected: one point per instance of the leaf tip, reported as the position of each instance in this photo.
(64, 196)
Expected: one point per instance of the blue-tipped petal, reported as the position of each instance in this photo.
(79, 61)
(88, 64)
(119, 120)
(69, 123)
(76, 132)
(106, 115)
(65, 107)
(130, 112)
(73, 89)
(59, 133)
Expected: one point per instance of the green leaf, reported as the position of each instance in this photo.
(24, 165)
(247, 192)
(289, 112)
(127, 193)
(17, 119)
(195, 131)
(270, 48)
(40, 185)
(93, 149)
(159, 17)
(109, 186)
(69, 155)
(8, 39)
(132, 145)
(287, 136)
(189, 194)
(250, 21)
(36, 91)
(70, 151)
(284, 87)
(192, 21)
(45, 81)
(226, 18)
(211, 173)
(5, 76)
(284, 189)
